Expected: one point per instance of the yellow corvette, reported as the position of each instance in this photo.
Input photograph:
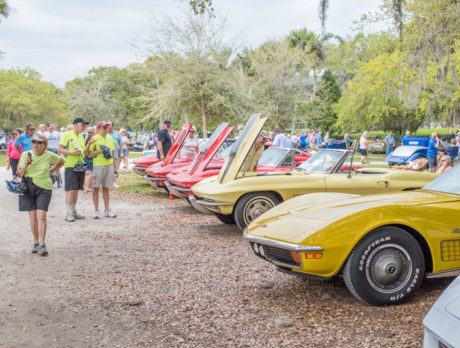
(236, 197)
(383, 245)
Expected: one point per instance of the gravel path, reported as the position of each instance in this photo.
(161, 275)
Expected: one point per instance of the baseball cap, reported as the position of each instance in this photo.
(80, 120)
(166, 122)
(37, 137)
(193, 128)
(264, 134)
(101, 124)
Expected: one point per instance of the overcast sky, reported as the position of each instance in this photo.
(63, 39)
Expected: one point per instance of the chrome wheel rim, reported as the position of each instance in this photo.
(256, 207)
(389, 268)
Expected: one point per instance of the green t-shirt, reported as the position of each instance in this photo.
(99, 160)
(39, 169)
(66, 141)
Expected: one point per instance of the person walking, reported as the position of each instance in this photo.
(71, 146)
(34, 167)
(124, 149)
(363, 146)
(164, 140)
(25, 139)
(432, 153)
(101, 150)
(190, 146)
(12, 155)
(389, 143)
(53, 144)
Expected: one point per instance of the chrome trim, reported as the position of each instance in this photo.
(211, 204)
(139, 170)
(177, 191)
(282, 245)
(449, 273)
(198, 207)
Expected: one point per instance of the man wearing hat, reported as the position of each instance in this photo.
(164, 140)
(71, 146)
(256, 151)
(101, 150)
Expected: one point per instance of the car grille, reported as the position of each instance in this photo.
(450, 250)
(279, 255)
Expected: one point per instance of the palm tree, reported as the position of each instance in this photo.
(4, 9)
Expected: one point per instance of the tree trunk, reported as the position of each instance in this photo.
(184, 112)
(294, 118)
(159, 98)
(203, 118)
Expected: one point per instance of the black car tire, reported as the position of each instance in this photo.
(226, 219)
(252, 205)
(385, 268)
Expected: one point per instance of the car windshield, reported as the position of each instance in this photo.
(224, 150)
(322, 161)
(405, 151)
(272, 156)
(448, 182)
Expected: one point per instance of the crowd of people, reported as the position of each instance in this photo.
(90, 154)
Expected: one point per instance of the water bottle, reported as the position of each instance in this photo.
(74, 144)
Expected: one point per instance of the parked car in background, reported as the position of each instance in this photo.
(338, 144)
(3, 141)
(442, 323)
(377, 146)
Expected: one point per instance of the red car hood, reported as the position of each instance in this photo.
(159, 170)
(146, 161)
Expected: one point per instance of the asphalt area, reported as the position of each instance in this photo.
(163, 275)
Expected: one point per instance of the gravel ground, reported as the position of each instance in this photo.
(161, 275)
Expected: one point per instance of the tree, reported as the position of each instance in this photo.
(200, 82)
(4, 9)
(320, 111)
(24, 97)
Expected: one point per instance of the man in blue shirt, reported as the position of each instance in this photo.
(432, 153)
(405, 138)
(281, 140)
(389, 143)
(26, 139)
(318, 137)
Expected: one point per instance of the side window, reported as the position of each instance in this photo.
(289, 160)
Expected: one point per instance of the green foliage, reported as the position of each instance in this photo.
(320, 111)
(4, 9)
(24, 97)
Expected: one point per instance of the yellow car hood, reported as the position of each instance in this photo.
(297, 219)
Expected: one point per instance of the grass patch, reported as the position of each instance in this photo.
(2, 160)
(135, 154)
(133, 183)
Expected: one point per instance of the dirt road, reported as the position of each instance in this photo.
(161, 275)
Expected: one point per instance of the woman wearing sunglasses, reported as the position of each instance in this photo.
(35, 167)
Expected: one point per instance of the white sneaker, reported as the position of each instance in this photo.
(78, 216)
(115, 185)
(109, 213)
(69, 217)
(96, 214)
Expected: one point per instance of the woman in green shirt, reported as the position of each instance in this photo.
(35, 167)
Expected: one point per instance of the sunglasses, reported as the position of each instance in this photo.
(35, 142)
(31, 129)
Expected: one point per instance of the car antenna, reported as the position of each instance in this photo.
(353, 147)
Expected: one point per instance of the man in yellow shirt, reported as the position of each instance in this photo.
(101, 148)
(71, 146)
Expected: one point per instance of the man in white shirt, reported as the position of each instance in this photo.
(281, 140)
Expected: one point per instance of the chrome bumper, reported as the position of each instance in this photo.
(198, 206)
(282, 245)
(153, 181)
(180, 192)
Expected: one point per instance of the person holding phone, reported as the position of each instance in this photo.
(34, 168)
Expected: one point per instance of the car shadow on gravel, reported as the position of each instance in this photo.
(220, 229)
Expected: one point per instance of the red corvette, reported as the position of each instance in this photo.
(142, 163)
(274, 159)
(156, 173)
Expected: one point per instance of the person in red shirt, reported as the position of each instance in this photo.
(12, 155)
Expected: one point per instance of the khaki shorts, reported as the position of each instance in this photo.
(103, 176)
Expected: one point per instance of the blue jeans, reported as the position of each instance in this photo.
(389, 149)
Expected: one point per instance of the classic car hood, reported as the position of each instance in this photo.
(177, 143)
(146, 161)
(296, 219)
(210, 148)
(241, 148)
